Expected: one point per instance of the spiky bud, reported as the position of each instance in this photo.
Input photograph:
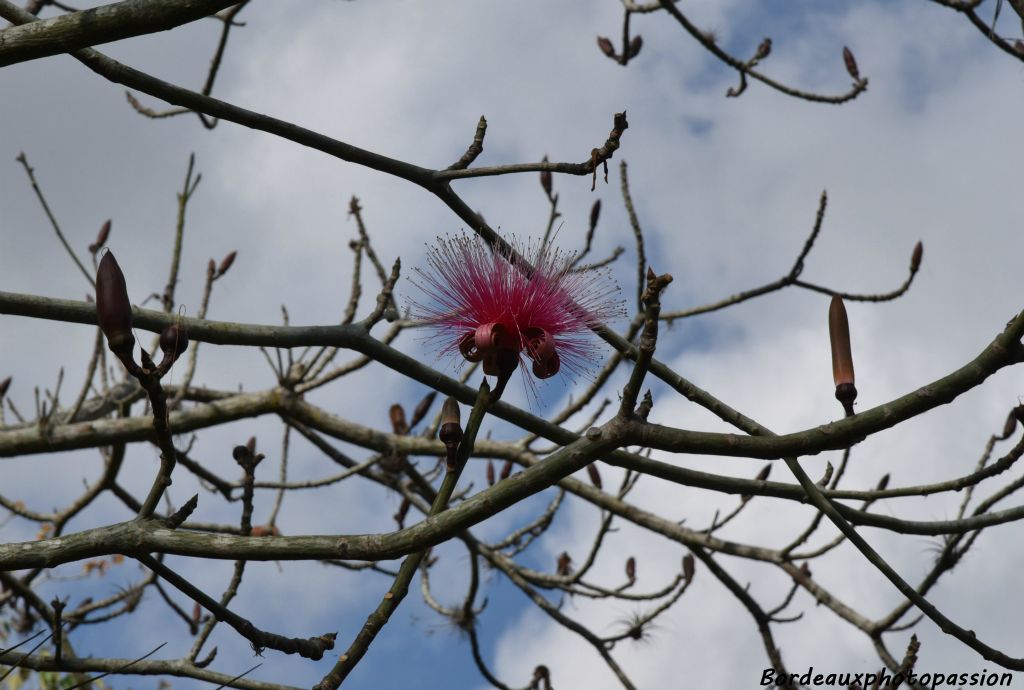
(595, 476)
(851, 63)
(398, 423)
(450, 432)
(605, 44)
(225, 263)
(631, 568)
(842, 356)
(915, 258)
(595, 213)
(634, 47)
(101, 238)
(113, 309)
(764, 49)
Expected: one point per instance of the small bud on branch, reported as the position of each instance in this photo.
(842, 356)
(851, 63)
(113, 309)
(450, 433)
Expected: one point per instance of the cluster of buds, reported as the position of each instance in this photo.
(114, 313)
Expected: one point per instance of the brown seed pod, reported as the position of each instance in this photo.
(851, 63)
(506, 471)
(113, 309)
(631, 568)
(883, 482)
(490, 473)
(595, 213)
(842, 356)
(605, 44)
(595, 476)
(915, 258)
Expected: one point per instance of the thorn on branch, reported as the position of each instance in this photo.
(182, 513)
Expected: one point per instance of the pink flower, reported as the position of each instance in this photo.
(486, 309)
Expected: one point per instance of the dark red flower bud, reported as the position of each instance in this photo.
(915, 258)
(101, 238)
(113, 309)
(545, 178)
(423, 408)
(634, 47)
(225, 263)
(490, 473)
(764, 49)
(595, 213)
(173, 340)
(605, 44)
(595, 476)
(631, 568)
(842, 356)
(450, 432)
(506, 471)
(883, 482)
(211, 269)
(688, 568)
(398, 423)
(851, 63)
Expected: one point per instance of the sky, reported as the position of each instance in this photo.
(726, 191)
